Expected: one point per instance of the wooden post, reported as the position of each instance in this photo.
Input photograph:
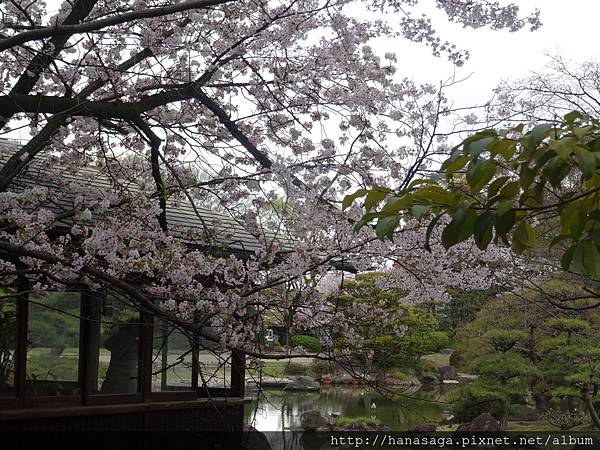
(238, 373)
(89, 342)
(22, 330)
(145, 372)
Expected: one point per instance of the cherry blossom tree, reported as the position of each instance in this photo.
(136, 106)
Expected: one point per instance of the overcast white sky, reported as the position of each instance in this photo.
(570, 28)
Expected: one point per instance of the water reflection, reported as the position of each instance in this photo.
(277, 410)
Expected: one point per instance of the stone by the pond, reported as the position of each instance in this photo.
(447, 373)
(422, 427)
(361, 426)
(313, 420)
(483, 422)
(446, 351)
(303, 383)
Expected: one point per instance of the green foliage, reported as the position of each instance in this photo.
(532, 347)
(462, 308)
(365, 421)
(480, 396)
(388, 349)
(308, 343)
(57, 325)
(504, 340)
(320, 367)
(295, 368)
(502, 366)
(496, 183)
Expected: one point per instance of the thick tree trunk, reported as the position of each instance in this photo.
(592, 410)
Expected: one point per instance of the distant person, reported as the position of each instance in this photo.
(122, 373)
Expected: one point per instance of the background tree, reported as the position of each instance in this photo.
(380, 346)
(559, 344)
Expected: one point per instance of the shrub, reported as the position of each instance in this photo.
(295, 368)
(308, 343)
(320, 367)
(276, 346)
(344, 421)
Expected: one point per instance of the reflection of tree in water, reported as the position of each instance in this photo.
(398, 412)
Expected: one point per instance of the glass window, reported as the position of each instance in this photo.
(8, 343)
(171, 359)
(53, 344)
(214, 362)
(119, 352)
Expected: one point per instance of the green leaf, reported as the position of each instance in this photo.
(364, 220)
(397, 204)
(480, 172)
(523, 237)
(482, 229)
(460, 227)
(540, 132)
(567, 257)
(503, 207)
(571, 117)
(510, 190)
(375, 196)
(586, 161)
(591, 258)
(475, 148)
(386, 226)
(505, 222)
(453, 165)
(569, 216)
(349, 199)
(504, 147)
(526, 175)
(496, 185)
(563, 147)
(430, 228)
(418, 211)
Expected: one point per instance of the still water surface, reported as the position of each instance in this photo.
(277, 410)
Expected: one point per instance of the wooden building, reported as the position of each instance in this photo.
(83, 361)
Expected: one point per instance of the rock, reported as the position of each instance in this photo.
(450, 382)
(361, 426)
(447, 373)
(448, 419)
(312, 420)
(422, 427)
(303, 383)
(446, 351)
(483, 422)
(254, 440)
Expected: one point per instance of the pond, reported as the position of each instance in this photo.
(277, 410)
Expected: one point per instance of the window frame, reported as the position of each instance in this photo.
(88, 363)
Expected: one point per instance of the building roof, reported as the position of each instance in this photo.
(226, 233)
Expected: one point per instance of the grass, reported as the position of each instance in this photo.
(363, 420)
(438, 359)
